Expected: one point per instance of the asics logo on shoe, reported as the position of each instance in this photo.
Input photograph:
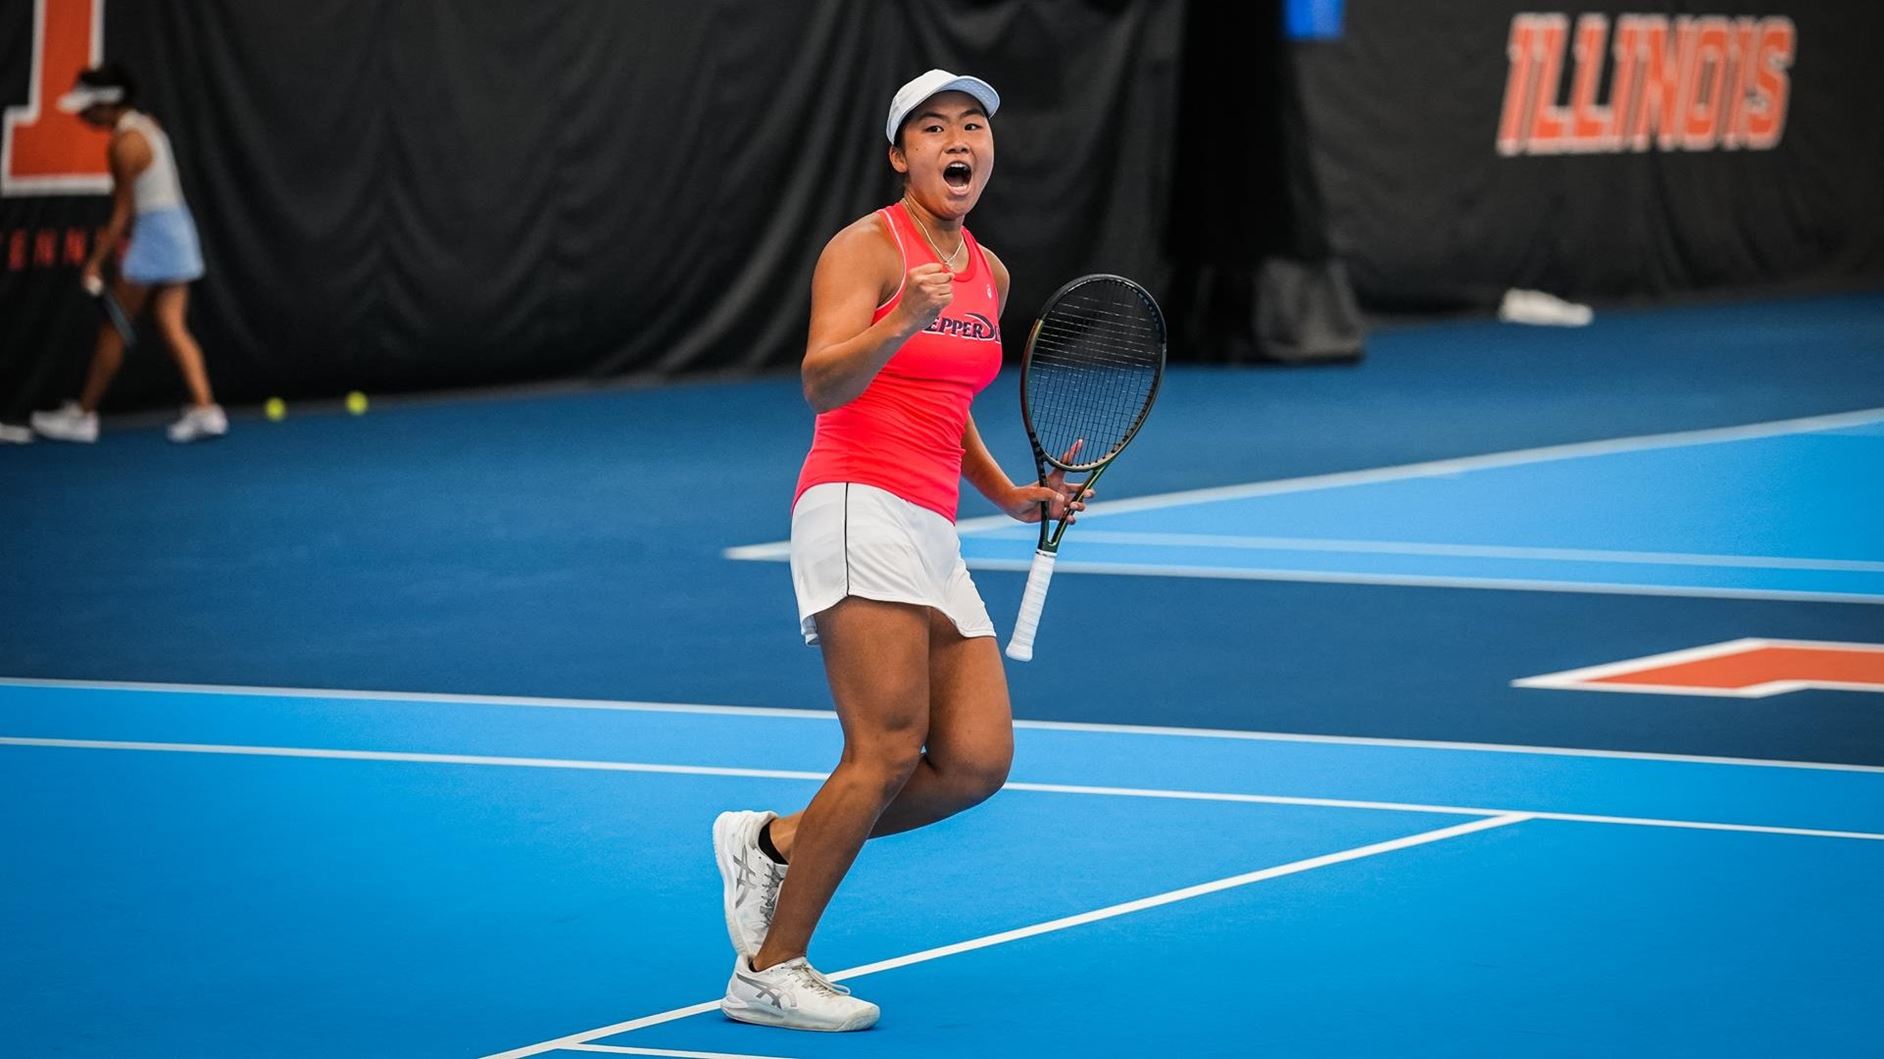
(768, 993)
(747, 876)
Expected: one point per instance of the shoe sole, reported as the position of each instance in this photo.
(760, 1016)
(723, 827)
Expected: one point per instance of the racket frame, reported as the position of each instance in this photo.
(114, 312)
(1045, 461)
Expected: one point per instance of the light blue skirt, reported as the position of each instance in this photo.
(164, 248)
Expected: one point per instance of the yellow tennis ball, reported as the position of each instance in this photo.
(275, 409)
(356, 403)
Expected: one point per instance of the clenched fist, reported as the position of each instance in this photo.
(927, 290)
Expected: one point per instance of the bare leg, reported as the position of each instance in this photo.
(970, 744)
(971, 732)
(876, 656)
(171, 306)
(108, 354)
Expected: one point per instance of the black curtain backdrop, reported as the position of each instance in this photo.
(428, 193)
(438, 193)
(1404, 112)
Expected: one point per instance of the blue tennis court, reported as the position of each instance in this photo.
(393, 856)
(1292, 787)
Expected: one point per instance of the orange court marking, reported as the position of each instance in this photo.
(1748, 669)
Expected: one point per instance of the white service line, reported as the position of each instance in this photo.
(410, 757)
(1475, 551)
(1455, 810)
(1048, 788)
(1498, 584)
(629, 706)
(616, 1049)
(1064, 923)
(441, 697)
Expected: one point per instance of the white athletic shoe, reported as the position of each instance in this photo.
(1538, 307)
(749, 880)
(68, 423)
(199, 423)
(794, 996)
(12, 435)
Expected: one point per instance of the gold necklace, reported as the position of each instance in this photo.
(948, 261)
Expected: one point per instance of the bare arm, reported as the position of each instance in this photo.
(129, 156)
(982, 470)
(845, 350)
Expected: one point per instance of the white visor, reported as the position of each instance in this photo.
(85, 96)
(911, 95)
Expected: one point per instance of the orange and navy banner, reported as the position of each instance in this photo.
(1599, 152)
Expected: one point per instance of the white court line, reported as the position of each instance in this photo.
(616, 1049)
(775, 550)
(410, 757)
(1458, 810)
(1476, 551)
(629, 706)
(442, 697)
(1109, 912)
(1238, 573)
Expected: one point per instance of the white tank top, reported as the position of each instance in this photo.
(157, 187)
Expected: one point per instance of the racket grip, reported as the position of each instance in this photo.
(1021, 647)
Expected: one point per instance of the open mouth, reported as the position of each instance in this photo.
(958, 174)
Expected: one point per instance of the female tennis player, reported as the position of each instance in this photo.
(162, 261)
(905, 307)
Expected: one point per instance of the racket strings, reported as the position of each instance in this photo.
(1092, 370)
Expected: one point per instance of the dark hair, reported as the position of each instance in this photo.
(111, 75)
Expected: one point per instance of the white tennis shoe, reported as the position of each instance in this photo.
(749, 879)
(68, 423)
(199, 423)
(794, 996)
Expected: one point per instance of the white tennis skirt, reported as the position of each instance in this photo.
(858, 540)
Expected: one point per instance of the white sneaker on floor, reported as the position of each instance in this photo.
(12, 435)
(68, 423)
(199, 423)
(794, 996)
(1538, 307)
(749, 880)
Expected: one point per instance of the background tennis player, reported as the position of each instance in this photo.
(163, 259)
(905, 311)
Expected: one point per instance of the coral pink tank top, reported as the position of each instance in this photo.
(904, 432)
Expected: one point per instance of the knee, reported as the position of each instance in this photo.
(973, 782)
(886, 767)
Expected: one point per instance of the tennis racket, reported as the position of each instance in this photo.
(1091, 371)
(113, 312)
